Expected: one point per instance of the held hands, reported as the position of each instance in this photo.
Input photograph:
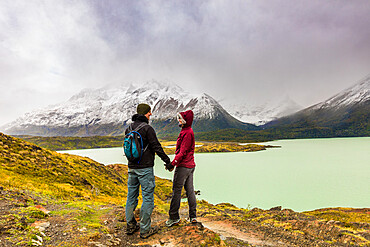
(169, 167)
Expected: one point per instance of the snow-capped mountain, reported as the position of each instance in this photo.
(107, 111)
(345, 114)
(357, 94)
(261, 114)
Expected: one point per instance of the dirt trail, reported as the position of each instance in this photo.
(183, 235)
(226, 230)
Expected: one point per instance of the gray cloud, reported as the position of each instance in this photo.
(237, 49)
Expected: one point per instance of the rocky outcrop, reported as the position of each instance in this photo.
(284, 227)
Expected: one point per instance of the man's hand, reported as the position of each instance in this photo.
(169, 167)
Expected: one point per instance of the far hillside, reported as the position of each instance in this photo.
(345, 114)
(72, 143)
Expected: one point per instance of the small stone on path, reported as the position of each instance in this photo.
(41, 225)
(36, 243)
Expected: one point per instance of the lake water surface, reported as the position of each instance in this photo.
(302, 175)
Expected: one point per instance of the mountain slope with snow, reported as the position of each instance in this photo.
(345, 114)
(261, 114)
(107, 111)
(357, 94)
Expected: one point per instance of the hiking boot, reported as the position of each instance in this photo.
(152, 230)
(170, 222)
(132, 228)
(193, 220)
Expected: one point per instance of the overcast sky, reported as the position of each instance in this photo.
(231, 49)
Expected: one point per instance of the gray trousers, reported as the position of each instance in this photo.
(144, 178)
(183, 177)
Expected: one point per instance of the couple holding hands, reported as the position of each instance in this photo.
(141, 173)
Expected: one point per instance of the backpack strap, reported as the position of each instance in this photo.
(129, 128)
(139, 127)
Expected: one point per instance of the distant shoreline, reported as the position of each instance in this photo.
(74, 143)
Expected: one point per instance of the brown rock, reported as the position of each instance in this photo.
(278, 208)
(42, 209)
(41, 225)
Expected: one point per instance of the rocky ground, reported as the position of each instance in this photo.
(284, 227)
(30, 220)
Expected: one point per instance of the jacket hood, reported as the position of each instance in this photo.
(140, 117)
(188, 117)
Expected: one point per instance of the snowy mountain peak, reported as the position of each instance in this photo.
(117, 104)
(87, 93)
(358, 93)
(262, 113)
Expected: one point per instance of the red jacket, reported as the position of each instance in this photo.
(185, 143)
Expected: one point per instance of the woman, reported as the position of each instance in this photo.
(185, 166)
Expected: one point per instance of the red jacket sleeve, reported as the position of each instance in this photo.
(184, 148)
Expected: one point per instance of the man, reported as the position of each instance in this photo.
(142, 174)
(185, 166)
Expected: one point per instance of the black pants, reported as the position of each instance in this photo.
(183, 177)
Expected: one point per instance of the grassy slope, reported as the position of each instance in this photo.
(27, 166)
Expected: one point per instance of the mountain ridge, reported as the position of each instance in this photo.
(108, 110)
(344, 114)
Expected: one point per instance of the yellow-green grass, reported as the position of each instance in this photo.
(69, 177)
(215, 147)
(350, 217)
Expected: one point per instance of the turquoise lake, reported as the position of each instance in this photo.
(302, 175)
